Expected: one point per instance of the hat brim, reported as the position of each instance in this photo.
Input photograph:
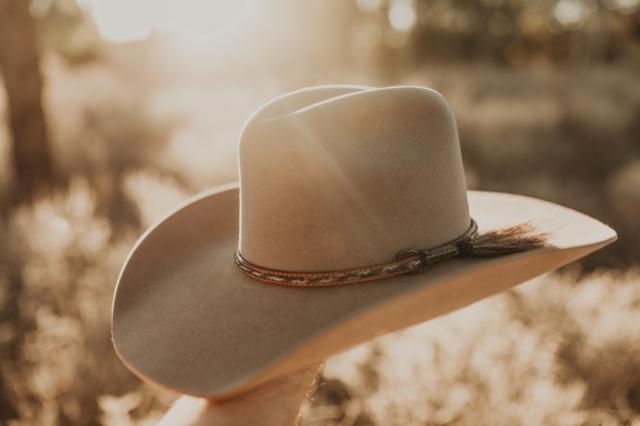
(185, 318)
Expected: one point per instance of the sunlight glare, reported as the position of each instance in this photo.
(402, 15)
(369, 6)
(121, 21)
(627, 4)
(568, 12)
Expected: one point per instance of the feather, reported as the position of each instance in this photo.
(514, 239)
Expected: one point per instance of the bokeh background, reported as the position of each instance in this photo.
(113, 111)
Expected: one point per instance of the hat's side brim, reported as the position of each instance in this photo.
(185, 318)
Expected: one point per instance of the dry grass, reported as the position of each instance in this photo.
(556, 352)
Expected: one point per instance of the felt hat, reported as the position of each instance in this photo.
(351, 219)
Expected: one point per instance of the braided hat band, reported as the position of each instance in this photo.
(409, 261)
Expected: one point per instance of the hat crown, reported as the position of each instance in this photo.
(337, 178)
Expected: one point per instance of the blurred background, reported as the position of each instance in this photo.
(113, 111)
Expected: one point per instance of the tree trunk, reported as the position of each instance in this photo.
(33, 171)
(19, 65)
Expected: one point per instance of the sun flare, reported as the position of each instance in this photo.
(122, 21)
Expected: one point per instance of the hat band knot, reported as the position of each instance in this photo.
(409, 261)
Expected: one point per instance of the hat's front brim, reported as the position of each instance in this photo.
(186, 318)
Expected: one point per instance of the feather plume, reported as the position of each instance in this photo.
(514, 239)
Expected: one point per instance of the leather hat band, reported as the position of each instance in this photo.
(408, 261)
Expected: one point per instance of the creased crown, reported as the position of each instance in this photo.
(339, 177)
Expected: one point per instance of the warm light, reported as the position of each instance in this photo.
(128, 20)
(627, 4)
(402, 15)
(568, 12)
(369, 6)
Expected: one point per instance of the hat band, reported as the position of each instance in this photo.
(406, 262)
(410, 261)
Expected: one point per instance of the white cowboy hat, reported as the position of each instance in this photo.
(351, 219)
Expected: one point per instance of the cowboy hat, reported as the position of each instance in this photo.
(351, 220)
